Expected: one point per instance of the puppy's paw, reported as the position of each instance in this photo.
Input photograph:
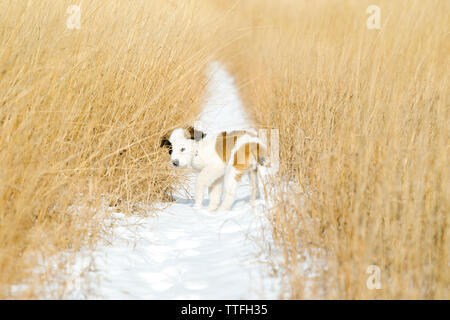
(222, 208)
(211, 208)
(197, 207)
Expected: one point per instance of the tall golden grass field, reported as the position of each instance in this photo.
(362, 114)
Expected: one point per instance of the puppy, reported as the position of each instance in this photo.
(221, 160)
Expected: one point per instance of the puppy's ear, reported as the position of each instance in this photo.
(191, 133)
(166, 143)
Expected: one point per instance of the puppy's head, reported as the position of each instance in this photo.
(181, 145)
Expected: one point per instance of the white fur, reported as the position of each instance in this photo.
(214, 174)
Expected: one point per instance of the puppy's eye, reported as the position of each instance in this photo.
(182, 149)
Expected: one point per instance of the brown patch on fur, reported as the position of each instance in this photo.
(244, 155)
(225, 143)
(191, 133)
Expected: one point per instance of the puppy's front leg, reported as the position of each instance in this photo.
(205, 178)
(215, 193)
(199, 189)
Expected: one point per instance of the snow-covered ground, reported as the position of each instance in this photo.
(179, 252)
(183, 253)
(223, 109)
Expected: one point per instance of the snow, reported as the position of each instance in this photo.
(223, 109)
(184, 253)
(179, 252)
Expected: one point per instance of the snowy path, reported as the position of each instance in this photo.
(184, 253)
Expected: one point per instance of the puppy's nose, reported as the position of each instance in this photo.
(175, 163)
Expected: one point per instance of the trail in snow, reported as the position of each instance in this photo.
(184, 253)
(223, 109)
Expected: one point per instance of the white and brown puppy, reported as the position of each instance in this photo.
(221, 159)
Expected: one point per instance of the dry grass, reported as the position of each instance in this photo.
(363, 120)
(364, 129)
(82, 113)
